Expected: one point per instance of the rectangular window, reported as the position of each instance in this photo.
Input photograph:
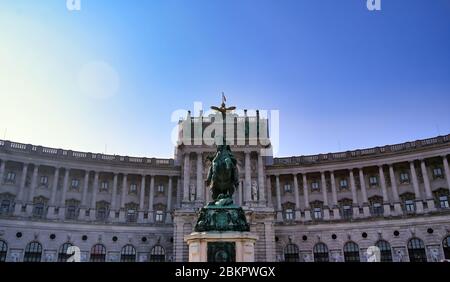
(373, 180)
(38, 210)
(404, 177)
(343, 184)
(437, 172)
(10, 177)
(377, 209)
(101, 214)
(4, 209)
(347, 212)
(409, 206)
(289, 214)
(133, 188)
(287, 187)
(71, 212)
(159, 216)
(44, 180)
(75, 184)
(317, 213)
(131, 216)
(315, 185)
(104, 186)
(443, 201)
(160, 188)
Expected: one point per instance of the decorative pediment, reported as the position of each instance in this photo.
(7, 196)
(102, 204)
(40, 200)
(159, 207)
(345, 202)
(288, 205)
(131, 206)
(376, 199)
(441, 192)
(407, 196)
(316, 204)
(72, 202)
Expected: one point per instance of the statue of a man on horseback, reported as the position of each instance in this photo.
(223, 176)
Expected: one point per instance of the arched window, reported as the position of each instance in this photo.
(416, 250)
(128, 254)
(62, 253)
(291, 253)
(446, 246)
(321, 253)
(158, 254)
(98, 253)
(385, 251)
(351, 252)
(3, 250)
(33, 252)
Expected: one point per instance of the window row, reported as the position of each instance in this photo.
(375, 204)
(404, 178)
(33, 253)
(351, 250)
(75, 183)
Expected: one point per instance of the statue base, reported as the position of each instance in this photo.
(229, 246)
(215, 217)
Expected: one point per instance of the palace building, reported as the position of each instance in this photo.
(326, 207)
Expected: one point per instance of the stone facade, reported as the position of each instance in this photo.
(301, 208)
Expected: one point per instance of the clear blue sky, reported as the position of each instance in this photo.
(341, 76)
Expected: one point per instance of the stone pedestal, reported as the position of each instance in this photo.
(230, 246)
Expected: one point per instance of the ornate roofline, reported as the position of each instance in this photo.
(9, 146)
(363, 153)
(444, 140)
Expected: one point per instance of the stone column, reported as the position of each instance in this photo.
(354, 195)
(23, 179)
(326, 210)
(150, 199)
(419, 203)
(20, 196)
(248, 184)
(261, 180)
(269, 191)
(51, 208)
(306, 196)
(169, 201)
(112, 212)
(269, 235)
(362, 181)
(279, 209)
(200, 198)
(240, 193)
(62, 203)
(178, 193)
(336, 214)
(426, 182)
(298, 214)
(386, 205)
(92, 212)
(397, 205)
(2, 171)
(186, 176)
(141, 200)
(33, 183)
(123, 198)
(446, 169)
(32, 190)
(82, 214)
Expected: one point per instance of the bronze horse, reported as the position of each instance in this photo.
(223, 176)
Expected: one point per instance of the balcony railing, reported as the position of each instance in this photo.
(348, 155)
(8, 146)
